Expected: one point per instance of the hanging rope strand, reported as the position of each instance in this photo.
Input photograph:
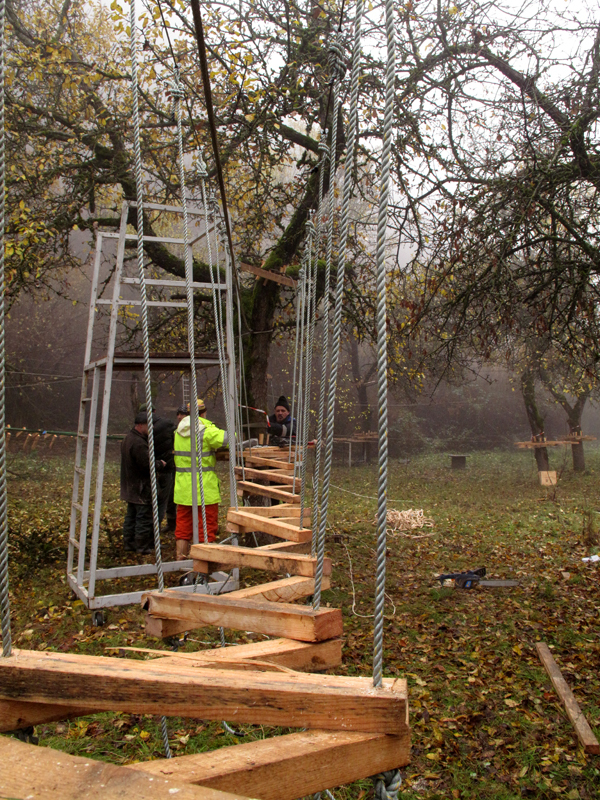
(337, 322)
(382, 346)
(302, 444)
(4, 594)
(144, 315)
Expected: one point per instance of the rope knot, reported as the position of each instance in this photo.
(311, 228)
(387, 785)
(174, 90)
(201, 167)
(324, 150)
(335, 59)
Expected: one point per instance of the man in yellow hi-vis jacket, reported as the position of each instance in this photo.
(211, 439)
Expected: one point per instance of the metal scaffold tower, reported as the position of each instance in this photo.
(83, 571)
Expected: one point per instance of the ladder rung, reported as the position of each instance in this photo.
(86, 399)
(78, 507)
(80, 470)
(74, 542)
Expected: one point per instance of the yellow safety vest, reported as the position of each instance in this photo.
(210, 439)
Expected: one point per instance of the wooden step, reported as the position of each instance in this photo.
(280, 493)
(290, 766)
(281, 510)
(273, 463)
(273, 619)
(41, 772)
(285, 590)
(289, 699)
(256, 522)
(271, 475)
(212, 557)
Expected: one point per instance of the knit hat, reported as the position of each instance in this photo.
(141, 418)
(283, 402)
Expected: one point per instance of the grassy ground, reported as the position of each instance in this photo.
(486, 722)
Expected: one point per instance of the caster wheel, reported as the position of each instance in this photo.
(98, 618)
(26, 735)
(187, 579)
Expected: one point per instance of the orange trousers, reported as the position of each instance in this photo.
(184, 523)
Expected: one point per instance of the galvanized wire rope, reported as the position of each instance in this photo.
(144, 316)
(382, 345)
(337, 325)
(195, 438)
(302, 444)
(217, 307)
(336, 65)
(4, 591)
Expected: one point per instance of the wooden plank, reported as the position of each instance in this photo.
(275, 528)
(267, 275)
(274, 476)
(40, 773)
(582, 729)
(281, 510)
(274, 463)
(288, 547)
(256, 558)
(290, 766)
(15, 714)
(246, 487)
(300, 656)
(291, 699)
(273, 619)
(285, 590)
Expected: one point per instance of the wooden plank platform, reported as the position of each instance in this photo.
(257, 522)
(282, 493)
(273, 619)
(161, 687)
(582, 728)
(290, 766)
(273, 463)
(40, 773)
(227, 556)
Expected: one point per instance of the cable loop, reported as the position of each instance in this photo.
(335, 59)
(311, 228)
(201, 169)
(174, 89)
(387, 785)
(324, 150)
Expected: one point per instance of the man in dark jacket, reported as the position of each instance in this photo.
(136, 490)
(282, 426)
(163, 433)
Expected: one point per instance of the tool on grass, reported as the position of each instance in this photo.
(473, 578)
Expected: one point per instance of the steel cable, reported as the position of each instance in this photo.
(382, 345)
(337, 323)
(144, 316)
(4, 591)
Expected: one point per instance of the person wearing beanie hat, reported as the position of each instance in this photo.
(282, 426)
(211, 439)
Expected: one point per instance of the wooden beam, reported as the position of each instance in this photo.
(281, 510)
(42, 773)
(284, 280)
(247, 487)
(161, 687)
(280, 529)
(256, 558)
(275, 476)
(273, 619)
(15, 714)
(290, 766)
(582, 729)
(285, 590)
(300, 656)
(274, 463)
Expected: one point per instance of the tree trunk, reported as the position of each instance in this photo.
(574, 414)
(536, 421)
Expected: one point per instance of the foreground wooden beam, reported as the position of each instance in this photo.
(291, 766)
(272, 475)
(299, 656)
(584, 733)
(161, 687)
(40, 773)
(207, 555)
(273, 619)
(266, 525)
(285, 590)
